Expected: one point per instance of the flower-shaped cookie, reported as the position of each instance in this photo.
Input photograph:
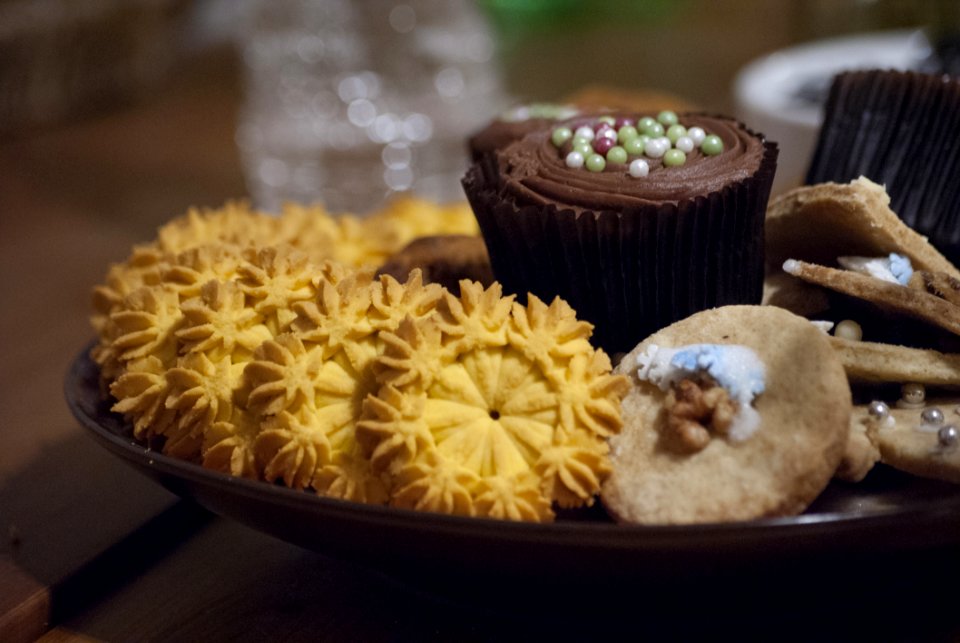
(248, 342)
(143, 267)
(475, 419)
(273, 279)
(308, 386)
(189, 270)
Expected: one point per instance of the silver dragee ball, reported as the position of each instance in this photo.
(948, 435)
(932, 416)
(878, 409)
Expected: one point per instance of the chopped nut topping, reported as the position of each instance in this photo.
(698, 408)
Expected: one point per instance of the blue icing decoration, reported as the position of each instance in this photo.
(725, 364)
(901, 268)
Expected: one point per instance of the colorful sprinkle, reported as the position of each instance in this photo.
(712, 145)
(574, 160)
(654, 148)
(634, 146)
(603, 144)
(561, 135)
(674, 158)
(585, 132)
(639, 167)
(619, 142)
(626, 133)
(684, 144)
(617, 154)
(667, 118)
(596, 163)
(655, 130)
(674, 132)
(581, 145)
(607, 132)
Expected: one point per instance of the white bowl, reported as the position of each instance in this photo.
(782, 94)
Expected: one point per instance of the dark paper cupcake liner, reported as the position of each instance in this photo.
(899, 129)
(634, 271)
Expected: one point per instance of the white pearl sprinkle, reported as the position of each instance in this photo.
(849, 329)
(696, 134)
(639, 167)
(574, 160)
(609, 133)
(585, 132)
(684, 144)
(665, 142)
(654, 148)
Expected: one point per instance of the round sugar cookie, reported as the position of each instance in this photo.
(804, 422)
(906, 441)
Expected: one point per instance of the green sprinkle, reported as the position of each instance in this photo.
(634, 146)
(645, 123)
(596, 163)
(584, 148)
(617, 154)
(626, 133)
(667, 118)
(561, 135)
(655, 130)
(674, 158)
(609, 120)
(676, 131)
(712, 145)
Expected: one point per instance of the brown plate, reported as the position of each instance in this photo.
(889, 512)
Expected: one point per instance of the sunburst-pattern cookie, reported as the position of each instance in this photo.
(273, 279)
(234, 223)
(143, 267)
(188, 271)
(232, 341)
(312, 382)
(221, 322)
(176, 349)
(470, 419)
(228, 445)
(141, 393)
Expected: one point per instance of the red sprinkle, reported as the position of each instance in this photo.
(602, 145)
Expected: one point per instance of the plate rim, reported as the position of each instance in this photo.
(568, 533)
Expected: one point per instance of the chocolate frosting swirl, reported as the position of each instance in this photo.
(533, 170)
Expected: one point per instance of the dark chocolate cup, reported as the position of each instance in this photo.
(899, 129)
(633, 271)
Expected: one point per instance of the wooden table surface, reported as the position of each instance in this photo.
(90, 550)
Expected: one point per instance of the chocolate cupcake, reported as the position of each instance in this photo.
(516, 123)
(898, 129)
(636, 222)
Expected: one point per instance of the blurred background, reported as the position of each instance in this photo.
(350, 102)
